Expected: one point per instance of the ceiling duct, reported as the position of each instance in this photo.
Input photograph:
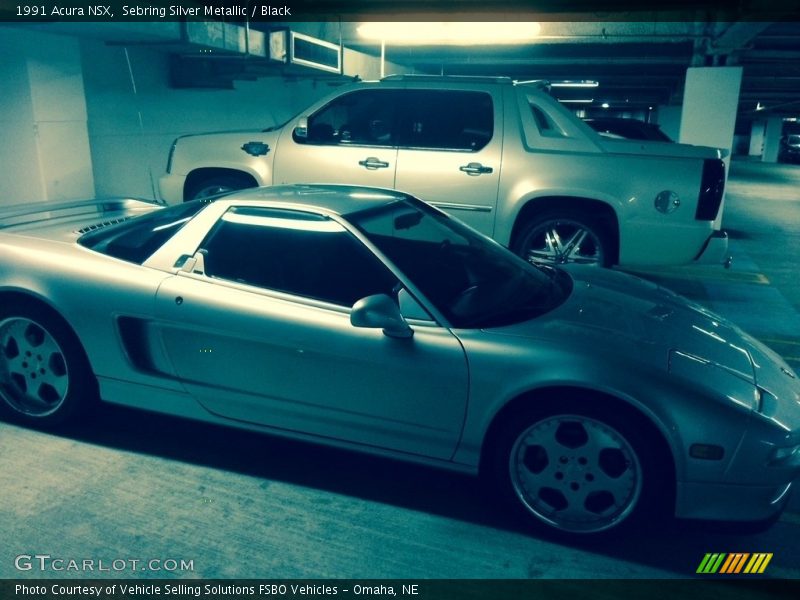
(299, 49)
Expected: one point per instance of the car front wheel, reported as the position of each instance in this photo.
(575, 471)
(44, 375)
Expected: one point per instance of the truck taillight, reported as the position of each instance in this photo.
(171, 153)
(712, 185)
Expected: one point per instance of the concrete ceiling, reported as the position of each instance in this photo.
(636, 63)
(639, 57)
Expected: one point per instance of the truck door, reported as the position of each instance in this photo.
(349, 140)
(450, 150)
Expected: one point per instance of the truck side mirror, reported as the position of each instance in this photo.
(300, 132)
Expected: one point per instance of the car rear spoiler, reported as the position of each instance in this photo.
(34, 212)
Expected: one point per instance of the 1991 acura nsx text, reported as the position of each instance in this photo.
(365, 318)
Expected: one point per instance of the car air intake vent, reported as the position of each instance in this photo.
(95, 226)
(711, 187)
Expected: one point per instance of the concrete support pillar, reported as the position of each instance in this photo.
(44, 149)
(710, 103)
(772, 139)
(757, 130)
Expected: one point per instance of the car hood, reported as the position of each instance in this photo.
(625, 316)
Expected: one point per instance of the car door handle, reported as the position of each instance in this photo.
(373, 163)
(474, 168)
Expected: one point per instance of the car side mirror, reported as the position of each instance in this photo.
(301, 129)
(380, 311)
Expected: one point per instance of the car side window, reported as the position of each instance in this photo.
(294, 252)
(445, 119)
(361, 118)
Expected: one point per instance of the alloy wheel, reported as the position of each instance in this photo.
(562, 241)
(575, 473)
(34, 378)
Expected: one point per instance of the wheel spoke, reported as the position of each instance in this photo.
(573, 246)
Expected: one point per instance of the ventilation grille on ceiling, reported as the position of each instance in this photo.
(317, 54)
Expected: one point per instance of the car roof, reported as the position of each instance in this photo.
(333, 198)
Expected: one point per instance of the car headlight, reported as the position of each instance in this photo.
(731, 384)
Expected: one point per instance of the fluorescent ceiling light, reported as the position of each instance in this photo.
(605, 105)
(581, 101)
(574, 84)
(450, 33)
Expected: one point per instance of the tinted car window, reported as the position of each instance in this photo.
(471, 280)
(445, 119)
(294, 252)
(359, 118)
(135, 240)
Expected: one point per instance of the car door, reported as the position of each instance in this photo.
(450, 150)
(262, 334)
(349, 140)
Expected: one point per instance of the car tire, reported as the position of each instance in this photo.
(577, 471)
(216, 185)
(45, 379)
(565, 237)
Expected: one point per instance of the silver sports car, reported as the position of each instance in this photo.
(365, 318)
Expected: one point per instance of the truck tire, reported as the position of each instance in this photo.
(215, 185)
(565, 237)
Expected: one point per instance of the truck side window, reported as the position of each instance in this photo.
(445, 119)
(362, 118)
(545, 124)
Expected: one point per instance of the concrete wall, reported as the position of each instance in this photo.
(134, 115)
(44, 149)
(82, 118)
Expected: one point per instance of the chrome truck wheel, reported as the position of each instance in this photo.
(559, 240)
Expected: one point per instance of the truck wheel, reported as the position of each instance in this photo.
(216, 185)
(558, 238)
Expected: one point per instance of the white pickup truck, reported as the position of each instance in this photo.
(503, 156)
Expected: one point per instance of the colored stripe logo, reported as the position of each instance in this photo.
(734, 563)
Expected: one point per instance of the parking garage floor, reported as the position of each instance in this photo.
(232, 504)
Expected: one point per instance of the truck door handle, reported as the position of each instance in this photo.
(373, 163)
(475, 168)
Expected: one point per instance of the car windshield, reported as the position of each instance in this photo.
(471, 280)
(135, 240)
